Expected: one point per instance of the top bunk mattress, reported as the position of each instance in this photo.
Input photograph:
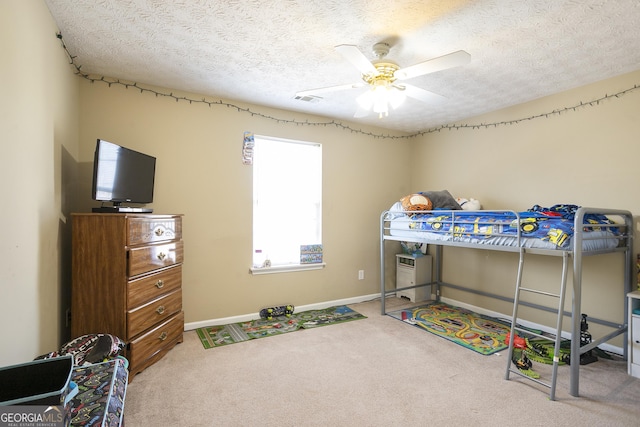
(541, 228)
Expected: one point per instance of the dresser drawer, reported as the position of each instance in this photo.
(164, 335)
(147, 288)
(148, 258)
(152, 313)
(151, 230)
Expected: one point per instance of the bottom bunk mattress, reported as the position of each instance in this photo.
(542, 228)
(102, 389)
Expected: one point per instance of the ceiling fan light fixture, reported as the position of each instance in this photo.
(380, 97)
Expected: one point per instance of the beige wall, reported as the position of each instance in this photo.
(200, 174)
(587, 156)
(38, 124)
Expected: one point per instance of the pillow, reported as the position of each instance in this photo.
(395, 211)
(442, 200)
(93, 348)
(90, 348)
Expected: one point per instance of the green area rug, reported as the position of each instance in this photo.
(217, 336)
(482, 334)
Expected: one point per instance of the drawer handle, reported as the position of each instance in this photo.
(159, 284)
(159, 232)
(163, 336)
(160, 309)
(162, 256)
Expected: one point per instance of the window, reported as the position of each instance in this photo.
(287, 202)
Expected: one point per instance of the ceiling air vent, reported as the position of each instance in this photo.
(308, 98)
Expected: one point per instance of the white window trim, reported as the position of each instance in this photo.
(287, 268)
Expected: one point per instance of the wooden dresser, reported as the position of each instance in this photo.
(127, 281)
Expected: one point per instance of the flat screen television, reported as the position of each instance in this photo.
(122, 176)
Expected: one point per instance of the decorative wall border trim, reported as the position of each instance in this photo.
(335, 123)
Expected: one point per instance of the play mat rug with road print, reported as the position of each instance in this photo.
(482, 334)
(216, 336)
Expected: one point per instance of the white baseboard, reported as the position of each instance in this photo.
(354, 300)
(252, 316)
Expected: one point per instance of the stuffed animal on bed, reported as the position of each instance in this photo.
(416, 202)
(469, 204)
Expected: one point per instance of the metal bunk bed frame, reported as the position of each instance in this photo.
(577, 255)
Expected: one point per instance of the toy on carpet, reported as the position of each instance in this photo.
(585, 338)
(519, 356)
(282, 310)
(526, 350)
(541, 350)
(469, 204)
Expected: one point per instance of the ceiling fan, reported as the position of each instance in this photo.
(384, 79)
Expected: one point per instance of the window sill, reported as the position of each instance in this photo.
(286, 268)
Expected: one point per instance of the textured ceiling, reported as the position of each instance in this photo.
(263, 52)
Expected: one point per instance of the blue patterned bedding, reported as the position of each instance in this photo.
(549, 228)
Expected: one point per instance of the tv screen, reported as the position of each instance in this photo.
(122, 175)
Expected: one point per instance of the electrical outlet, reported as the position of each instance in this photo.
(360, 274)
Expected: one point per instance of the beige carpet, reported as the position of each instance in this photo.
(373, 372)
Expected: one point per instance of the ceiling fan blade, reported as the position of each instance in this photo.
(352, 54)
(423, 95)
(450, 60)
(313, 92)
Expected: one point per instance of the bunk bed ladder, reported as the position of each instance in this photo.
(511, 368)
